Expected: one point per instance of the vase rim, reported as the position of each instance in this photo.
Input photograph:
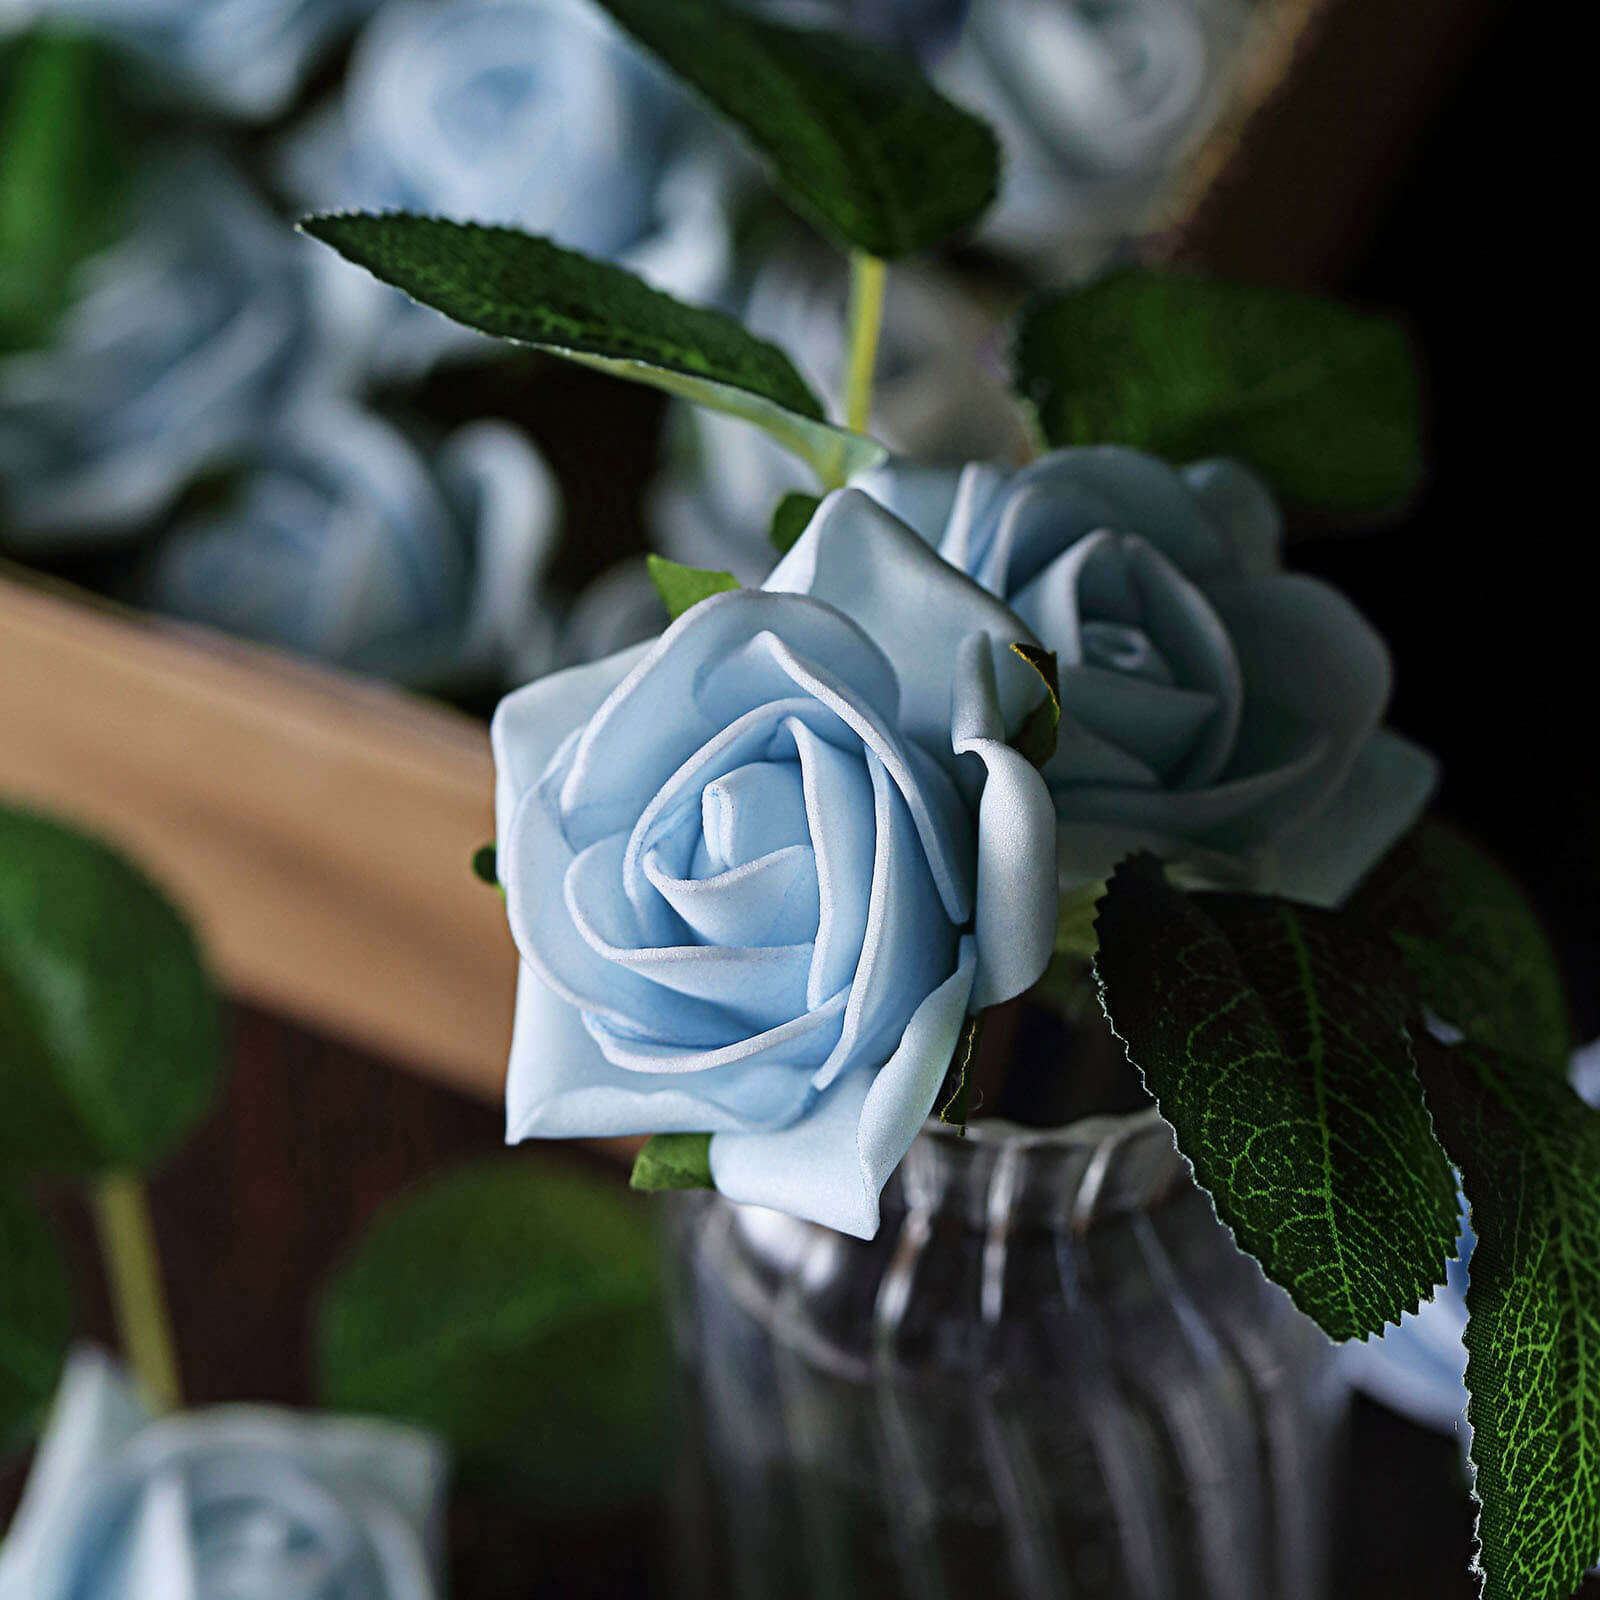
(1092, 1131)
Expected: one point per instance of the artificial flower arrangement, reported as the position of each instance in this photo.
(984, 727)
(980, 733)
(170, 352)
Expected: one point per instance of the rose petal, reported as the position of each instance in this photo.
(1242, 510)
(770, 901)
(1388, 786)
(918, 608)
(909, 939)
(831, 1166)
(561, 1086)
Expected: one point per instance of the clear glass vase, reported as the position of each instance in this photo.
(1052, 1375)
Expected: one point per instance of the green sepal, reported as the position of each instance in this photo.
(1036, 738)
(956, 1092)
(674, 1161)
(486, 865)
(681, 587)
(791, 518)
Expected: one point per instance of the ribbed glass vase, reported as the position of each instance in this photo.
(1052, 1376)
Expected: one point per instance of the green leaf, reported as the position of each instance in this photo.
(1036, 739)
(792, 518)
(1529, 1153)
(486, 864)
(1273, 1038)
(62, 164)
(956, 1090)
(674, 1161)
(36, 1317)
(856, 136)
(518, 287)
(1473, 943)
(1319, 399)
(513, 1307)
(110, 1026)
(681, 587)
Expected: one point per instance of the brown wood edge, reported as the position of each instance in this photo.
(318, 828)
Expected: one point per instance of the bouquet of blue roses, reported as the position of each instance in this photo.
(986, 727)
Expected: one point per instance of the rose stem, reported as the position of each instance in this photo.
(867, 275)
(133, 1270)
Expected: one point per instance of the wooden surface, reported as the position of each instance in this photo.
(318, 829)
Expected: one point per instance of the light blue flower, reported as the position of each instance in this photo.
(1216, 710)
(209, 323)
(243, 58)
(760, 869)
(1095, 103)
(921, 28)
(347, 544)
(531, 113)
(239, 1503)
(936, 397)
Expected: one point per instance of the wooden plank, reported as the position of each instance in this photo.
(319, 829)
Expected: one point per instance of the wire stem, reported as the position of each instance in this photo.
(867, 276)
(133, 1272)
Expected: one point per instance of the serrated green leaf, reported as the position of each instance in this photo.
(1473, 943)
(1036, 739)
(856, 136)
(1529, 1153)
(674, 1161)
(61, 170)
(792, 518)
(956, 1092)
(110, 1026)
(518, 287)
(513, 1307)
(1273, 1038)
(1318, 398)
(36, 1317)
(681, 587)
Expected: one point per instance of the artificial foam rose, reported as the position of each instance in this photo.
(243, 58)
(760, 870)
(1216, 710)
(535, 114)
(347, 543)
(1095, 103)
(237, 1503)
(209, 323)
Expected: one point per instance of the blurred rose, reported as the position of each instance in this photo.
(531, 113)
(1216, 710)
(209, 323)
(1095, 102)
(238, 1503)
(347, 544)
(922, 28)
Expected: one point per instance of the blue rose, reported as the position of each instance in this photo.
(210, 322)
(1217, 711)
(531, 113)
(344, 543)
(921, 28)
(1094, 102)
(239, 1503)
(244, 58)
(760, 869)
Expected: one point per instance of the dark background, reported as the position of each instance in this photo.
(1485, 594)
